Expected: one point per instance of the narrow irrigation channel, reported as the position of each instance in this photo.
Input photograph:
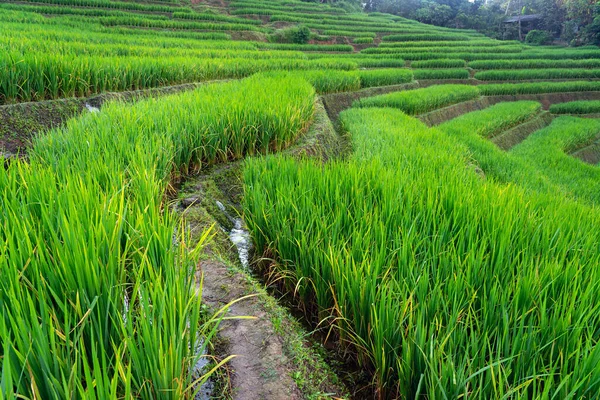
(274, 358)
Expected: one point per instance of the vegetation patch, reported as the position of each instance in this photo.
(421, 100)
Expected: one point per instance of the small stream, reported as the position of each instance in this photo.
(206, 389)
(91, 108)
(239, 236)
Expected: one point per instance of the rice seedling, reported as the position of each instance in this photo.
(526, 64)
(363, 40)
(419, 296)
(94, 286)
(424, 37)
(465, 48)
(548, 151)
(523, 74)
(439, 63)
(493, 120)
(576, 107)
(336, 32)
(419, 101)
(122, 5)
(385, 77)
(50, 77)
(451, 73)
(538, 87)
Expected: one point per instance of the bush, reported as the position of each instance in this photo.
(538, 38)
(297, 34)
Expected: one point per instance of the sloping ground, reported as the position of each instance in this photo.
(510, 138)
(589, 154)
(108, 46)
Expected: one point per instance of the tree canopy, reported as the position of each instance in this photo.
(576, 22)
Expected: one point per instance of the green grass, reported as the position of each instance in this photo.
(451, 73)
(538, 87)
(385, 77)
(448, 267)
(363, 40)
(526, 64)
(493, 120)
(98, 277)
(455, 280)
(525, 74)
(548, 151)
(419, 101)
(440, 63)
(576, 107)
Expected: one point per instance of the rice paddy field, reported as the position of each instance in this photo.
(421, 204)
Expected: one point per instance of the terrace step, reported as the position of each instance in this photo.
(516, 135)
(589, 154)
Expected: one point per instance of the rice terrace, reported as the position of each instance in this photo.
(299, 199)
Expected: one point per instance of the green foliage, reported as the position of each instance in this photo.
(493, 120)
(439, 63)
(384, 77)
(576, 107)
(548, 150)
(524, 74)
(527, 64)
(95, 284)
(538, 38)
(433, 236)
(297, 34)
(419, 101)
(363, 40)
(453, 73)
(538, 87)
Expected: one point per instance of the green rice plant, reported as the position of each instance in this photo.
(136, 21)
(493, 120)
(527, 64)
(306, 47)
(399, 249)
(363, 40)
(385, 77)
(95, 288)
(325, 81)
(122, 5)
(439, 63)
(47, 76)
(215, 17)
(90, 12)
(548, 150)
(446, 44)
(419, 101)
(379, 63)
(336, 32)
(523, 74)
(538, 87)
(453, 73)
(424, 37)
(576, 107)
(465, 48)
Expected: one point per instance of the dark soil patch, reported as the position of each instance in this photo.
(19, 123)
